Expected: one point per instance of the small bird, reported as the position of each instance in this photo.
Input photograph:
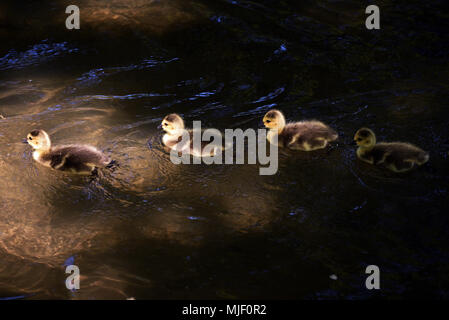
(174, 127)
(74, 158)
(304, 135)
(396, 156)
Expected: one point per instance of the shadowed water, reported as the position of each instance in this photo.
(152, 229)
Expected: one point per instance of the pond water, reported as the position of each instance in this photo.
(155, 230)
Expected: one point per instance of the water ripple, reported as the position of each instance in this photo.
(39, 53)
(95, 76)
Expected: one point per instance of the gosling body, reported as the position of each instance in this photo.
(396, 156)
(74, 158)
(303, 135)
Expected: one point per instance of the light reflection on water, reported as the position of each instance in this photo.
(151, 229)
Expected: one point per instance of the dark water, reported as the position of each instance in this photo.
(156, 230)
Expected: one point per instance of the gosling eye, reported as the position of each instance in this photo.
(267, 121)
(30, 138)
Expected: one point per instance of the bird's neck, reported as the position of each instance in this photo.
(278, 129)
(175, 133)
(363, 150)
(37, 154)
(41, 152)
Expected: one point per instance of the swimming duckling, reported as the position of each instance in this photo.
(303, 135)
(80, 159)
(396, 156)
(174, 127)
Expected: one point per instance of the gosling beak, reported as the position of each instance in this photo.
(24, 140)
(159, 126)
(353, 143)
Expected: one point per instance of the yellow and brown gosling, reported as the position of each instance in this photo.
(74, 158)
(396, 156)
(303, 135)
(174, 127)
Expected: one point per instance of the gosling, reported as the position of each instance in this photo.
(74, 158)
(396, 156)
(174, 127)
(304, 135)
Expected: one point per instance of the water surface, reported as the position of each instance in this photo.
(155, 230)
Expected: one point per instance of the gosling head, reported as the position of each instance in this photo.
(172, 124)
(274, 120)
(39, 140)
(365, 138)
